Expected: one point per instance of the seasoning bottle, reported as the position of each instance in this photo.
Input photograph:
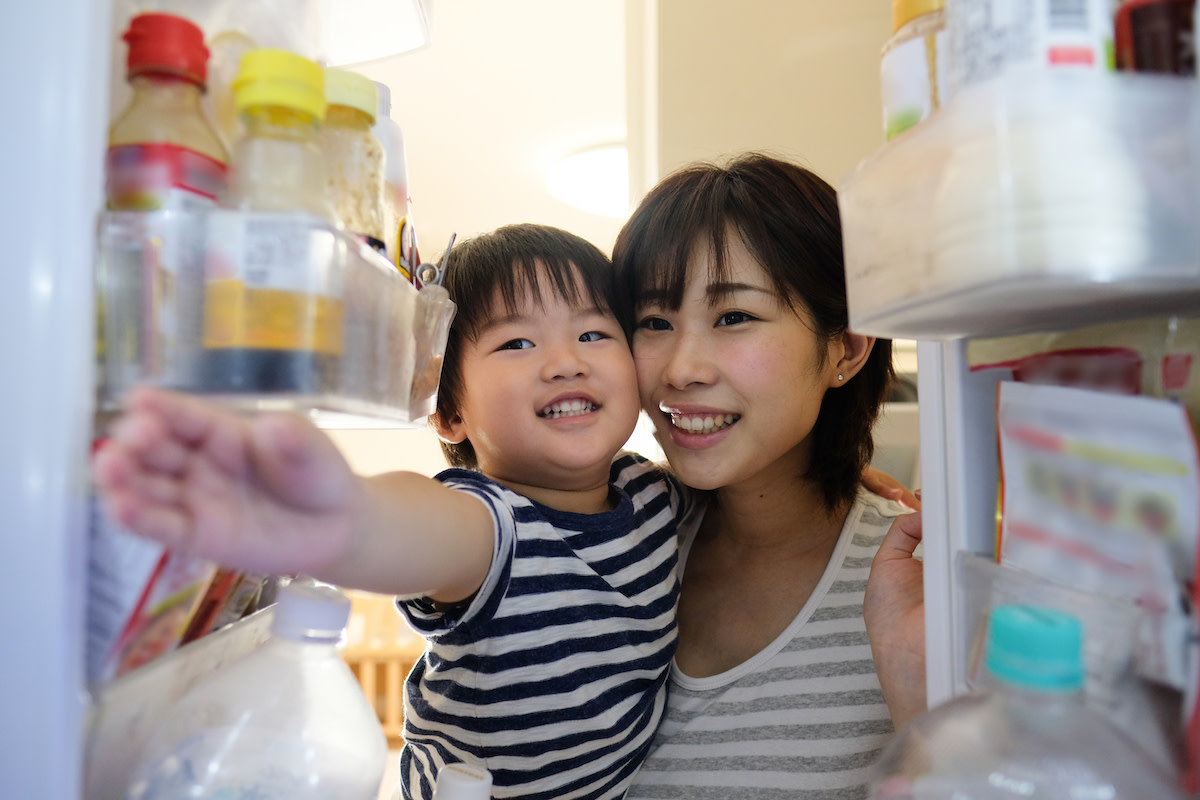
(353, 155)
(162, 151)
(273, 314)
(163, 155)
(912, 64)
(395, 177)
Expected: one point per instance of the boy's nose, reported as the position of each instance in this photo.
(564, 362)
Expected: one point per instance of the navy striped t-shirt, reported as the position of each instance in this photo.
(553, 676)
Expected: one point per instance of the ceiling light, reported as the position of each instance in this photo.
(354, 31)
(595, 180)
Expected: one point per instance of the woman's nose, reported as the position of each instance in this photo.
(687, 361)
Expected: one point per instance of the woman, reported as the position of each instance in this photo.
(765, 399)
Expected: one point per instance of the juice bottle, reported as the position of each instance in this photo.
(354, 157)
(273, 309)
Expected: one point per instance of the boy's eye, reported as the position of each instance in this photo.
(734, 318)
(593, 336)
(654, 324)
(516, 344)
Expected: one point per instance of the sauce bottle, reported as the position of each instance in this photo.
(273, 309)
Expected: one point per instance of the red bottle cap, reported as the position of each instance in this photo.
(166, 43)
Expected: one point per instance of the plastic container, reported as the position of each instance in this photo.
(286, 721)
(1030, 736)
(268, 325)
(395, 178)
(912, 66)
(354, 157)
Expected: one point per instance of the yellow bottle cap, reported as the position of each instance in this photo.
(270, 77)
(346, 88)
(904, 11)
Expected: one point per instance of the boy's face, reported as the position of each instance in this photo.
(549, 395)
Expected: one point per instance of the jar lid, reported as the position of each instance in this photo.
(346, 88)
(904, 11)
(269, 77)
(166, 43)
(1035, 648)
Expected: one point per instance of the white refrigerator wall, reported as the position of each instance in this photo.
(55, 72)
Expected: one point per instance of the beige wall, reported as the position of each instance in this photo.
(799, 78)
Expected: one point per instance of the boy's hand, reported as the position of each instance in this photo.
(264, 493)
(894, 609)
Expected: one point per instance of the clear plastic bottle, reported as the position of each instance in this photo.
(912, 64)
(354, 156)
(286, 722)
(273, 312)
(395, 179)
(1031, 737)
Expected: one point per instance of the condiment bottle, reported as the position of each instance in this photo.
(273, 311)
(354, 156)
(162, 151)
(395, 178)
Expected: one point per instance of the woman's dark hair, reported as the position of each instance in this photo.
(787, 217)
(495, 273)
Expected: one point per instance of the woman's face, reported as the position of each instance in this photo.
(733, 379)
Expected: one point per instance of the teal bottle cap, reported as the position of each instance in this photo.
(1037, 648)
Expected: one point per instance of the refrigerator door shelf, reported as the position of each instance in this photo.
(1043, 197)
(265, 311)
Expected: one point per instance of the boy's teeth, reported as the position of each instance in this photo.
(568, 408)
(703, 424)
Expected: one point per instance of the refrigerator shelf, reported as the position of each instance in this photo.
(1042, 200)
(265, 311)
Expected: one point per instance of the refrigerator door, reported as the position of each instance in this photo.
(55, 91)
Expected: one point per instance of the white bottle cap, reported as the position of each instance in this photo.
(463, 782)
(309, 611)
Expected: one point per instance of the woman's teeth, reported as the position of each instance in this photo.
(706, 424)
(568, 408)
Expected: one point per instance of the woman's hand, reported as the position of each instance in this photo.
(889, 488)
(894, 609)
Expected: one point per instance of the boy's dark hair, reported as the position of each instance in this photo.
(788, 219)
(507, 266)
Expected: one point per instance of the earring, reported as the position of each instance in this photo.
(839, 376)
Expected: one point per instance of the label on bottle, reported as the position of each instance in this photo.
(911, 76)
(990, 37)
(272, 282)
(159, 176)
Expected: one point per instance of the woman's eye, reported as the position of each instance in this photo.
(516, 344)
(654, 324)
(734, 318)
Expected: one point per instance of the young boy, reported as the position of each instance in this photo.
(543, 576)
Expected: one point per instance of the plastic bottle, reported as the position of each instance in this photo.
(287, 721)
(912, 64)
(354, 157)
(1031, 737)
(273, 316)
(395, 178)
(162, 151)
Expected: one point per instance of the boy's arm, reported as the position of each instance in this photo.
(272, 494)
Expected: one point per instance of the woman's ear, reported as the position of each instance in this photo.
(855, 349)
(450, 430)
